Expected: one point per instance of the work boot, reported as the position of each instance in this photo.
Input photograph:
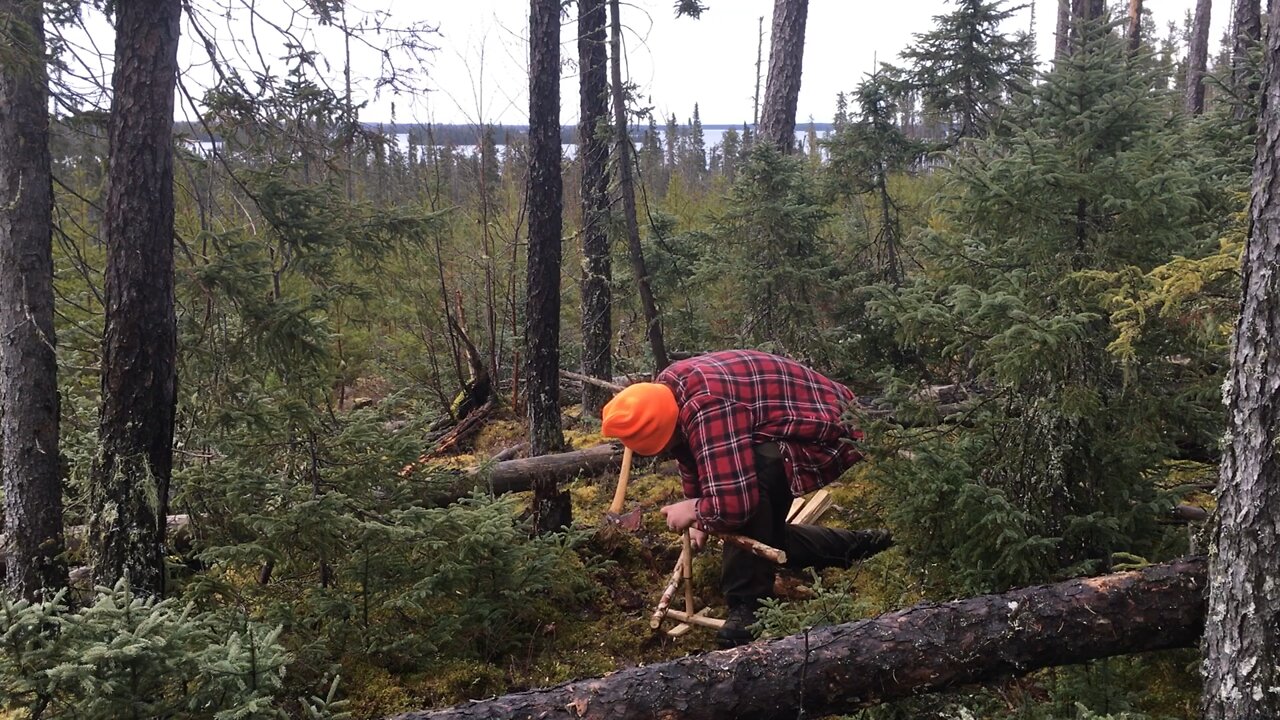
(734, 632)
(866, 543)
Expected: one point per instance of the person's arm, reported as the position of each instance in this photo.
(718, 433)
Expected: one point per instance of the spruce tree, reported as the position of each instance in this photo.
(1053, 473)
(966, 68)
(864, 154)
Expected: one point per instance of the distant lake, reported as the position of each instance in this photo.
(712, 136)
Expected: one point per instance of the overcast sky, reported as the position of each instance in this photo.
(478, 72)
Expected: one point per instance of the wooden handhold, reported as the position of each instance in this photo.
(698, 618)
(668, 593)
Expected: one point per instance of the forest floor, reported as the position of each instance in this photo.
(613, 632)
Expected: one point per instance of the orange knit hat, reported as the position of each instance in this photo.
(643, 416)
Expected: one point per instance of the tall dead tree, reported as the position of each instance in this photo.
(1133, 36)
(129, 490)
(1241, 647)
(1246, 21)
(1198, 57)
(786, 60)
(597, 275)
(28, 366)
(1062, 36)
(624, 157)
(542, 316)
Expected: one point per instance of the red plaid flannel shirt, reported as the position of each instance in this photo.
(733, 400)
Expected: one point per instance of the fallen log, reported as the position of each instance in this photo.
(927, 648)
(518, 475)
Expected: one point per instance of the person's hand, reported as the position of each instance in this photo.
(697, 539)
(681, 516)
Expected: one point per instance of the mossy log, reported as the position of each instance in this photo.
(931, 647)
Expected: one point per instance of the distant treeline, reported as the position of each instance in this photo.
(432, 134)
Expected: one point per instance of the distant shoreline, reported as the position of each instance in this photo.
(466, 134)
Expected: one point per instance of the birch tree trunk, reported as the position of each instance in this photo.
(1241, 646)
(28, 368)
(786, 60)
(129, 489)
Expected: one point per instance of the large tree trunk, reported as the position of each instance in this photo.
(130, 482)
(597, 318)
(927, 648)
(1197, 57)
(28, 367)
(1083, 14)
(1246, 19)
(786, 59)
(1062, 38)
(624, 152)
(1242, 637)
(542, 317)
(1134, 34)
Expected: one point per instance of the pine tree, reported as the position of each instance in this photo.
(542, 315)
(1240, 656)
(130, 484)
(786, 59)
(29, 467)
(1197, 58)
(1246, 24)
(597, 313)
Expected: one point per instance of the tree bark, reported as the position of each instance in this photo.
(1242, 637)
(597, 275)
(1247, 22)
(1134, 36)
(130, 480)
(1198, 57)
(542, 317)
(28, 366)
(1062, 39)
(927, 648)
(786, 60)
(653, 325)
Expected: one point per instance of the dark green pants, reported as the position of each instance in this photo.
(746, 578)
